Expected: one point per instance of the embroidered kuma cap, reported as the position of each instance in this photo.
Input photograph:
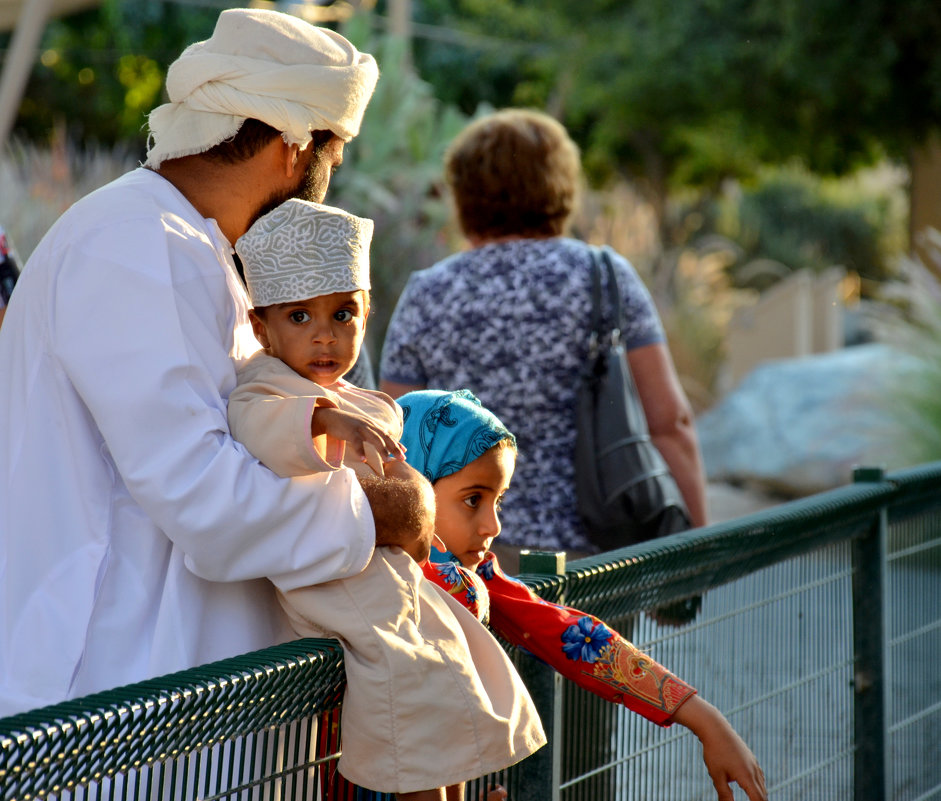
(303, 250)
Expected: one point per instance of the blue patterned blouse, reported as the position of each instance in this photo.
(510, 322)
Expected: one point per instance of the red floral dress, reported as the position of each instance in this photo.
(579, 646)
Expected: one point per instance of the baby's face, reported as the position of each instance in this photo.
(319, 338)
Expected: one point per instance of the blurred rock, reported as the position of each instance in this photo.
(795, 427)
(728, 502)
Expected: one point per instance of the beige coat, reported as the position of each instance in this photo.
(431, 697)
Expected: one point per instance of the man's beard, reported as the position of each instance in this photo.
(310, 186)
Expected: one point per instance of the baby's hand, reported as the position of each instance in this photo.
(363, 437)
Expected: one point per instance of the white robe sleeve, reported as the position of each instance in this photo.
(145, 338)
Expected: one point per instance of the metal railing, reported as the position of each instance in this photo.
(814, 625)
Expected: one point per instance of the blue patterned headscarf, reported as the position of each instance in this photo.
(446, 431)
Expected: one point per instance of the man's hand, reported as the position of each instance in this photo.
(403, 508)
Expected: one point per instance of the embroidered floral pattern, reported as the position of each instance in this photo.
(585, 639)
(485, 570)
(450, 572)
(621, 665)
(463, 585)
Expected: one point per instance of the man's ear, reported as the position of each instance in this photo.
(292, 154)
(259, 329)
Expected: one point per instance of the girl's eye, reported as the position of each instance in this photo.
(473, 501)
(299, 316)
(499, 504)
(343, 316)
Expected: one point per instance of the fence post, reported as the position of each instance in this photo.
(541, 774)
(870, 775)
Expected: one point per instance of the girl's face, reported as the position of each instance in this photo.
(467, 504)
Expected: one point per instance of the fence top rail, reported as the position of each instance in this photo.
(86, 739)
(917, 488)
(647, 575)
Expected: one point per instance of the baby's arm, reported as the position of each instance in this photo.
(294, 428)
(277, 428)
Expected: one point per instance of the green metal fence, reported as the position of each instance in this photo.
(815, 626)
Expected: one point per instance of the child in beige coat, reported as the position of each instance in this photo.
(421, 670)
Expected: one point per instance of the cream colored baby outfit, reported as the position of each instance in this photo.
(431, 697)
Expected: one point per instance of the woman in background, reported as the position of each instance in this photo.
(509, 319)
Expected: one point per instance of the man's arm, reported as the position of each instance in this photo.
(403, 508)
(151, 369)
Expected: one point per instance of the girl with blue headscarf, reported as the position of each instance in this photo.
(468, 455)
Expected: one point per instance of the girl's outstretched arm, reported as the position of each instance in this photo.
(727, 757)
(578, 645)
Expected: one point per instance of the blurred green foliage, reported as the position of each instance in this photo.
(101, 71)
(682, 100)
(678, 94)
(702, 89)
(801, 221)
(392, 172)
(673, 95)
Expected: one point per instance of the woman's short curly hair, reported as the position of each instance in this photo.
(515, 172)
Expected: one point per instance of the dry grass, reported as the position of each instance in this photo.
(907, 315)
(41, 183)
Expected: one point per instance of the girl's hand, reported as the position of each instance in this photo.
(364, 438)
(727, 757)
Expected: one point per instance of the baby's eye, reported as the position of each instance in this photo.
(343, 316)
(473, 501)
(300, 316)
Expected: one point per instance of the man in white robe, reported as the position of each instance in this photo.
(135, 534)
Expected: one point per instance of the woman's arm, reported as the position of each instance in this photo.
(670, 420)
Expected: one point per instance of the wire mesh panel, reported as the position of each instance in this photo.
(913, 656)
(774, 652)
(770, 642)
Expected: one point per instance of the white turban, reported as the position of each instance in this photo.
(263, 65)
(303, 250)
